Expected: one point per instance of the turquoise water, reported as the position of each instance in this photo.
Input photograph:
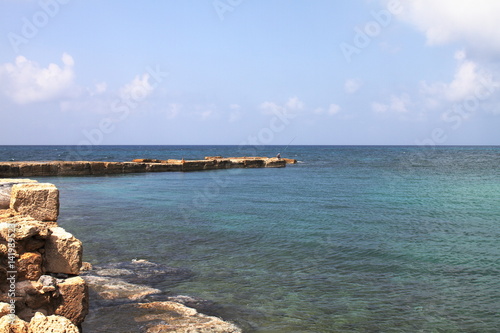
(352, 239)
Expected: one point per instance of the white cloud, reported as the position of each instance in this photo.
(26, 82)
(445, 21)
(352, 85)
(138, 89)
(292, 105)
(397, 104)
(332, 109)
(98, 89)
(468, 80)
(270, 108)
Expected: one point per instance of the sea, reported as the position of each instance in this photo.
(349, 239)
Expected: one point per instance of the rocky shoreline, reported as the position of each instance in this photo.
(45, 287)
(88, 168)
(40, 286)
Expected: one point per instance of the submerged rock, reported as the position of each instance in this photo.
(142, 272)
(176, 317)
(131, 280)
(110, 288)
(119, 286)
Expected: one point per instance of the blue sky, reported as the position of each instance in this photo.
(418, 72)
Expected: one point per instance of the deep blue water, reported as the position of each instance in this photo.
(351, 239)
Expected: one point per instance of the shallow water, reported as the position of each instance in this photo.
(353, 239)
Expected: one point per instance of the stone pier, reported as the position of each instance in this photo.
(88, 168)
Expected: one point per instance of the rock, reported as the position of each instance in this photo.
(289, 160)
(86, 266)
(175, 317)
(113, 272)
(28, 169)
(9, 169)
(38, 300)
(63, 252)
(25, 227)
(140, 271)
(13, 324)
(6, 188)
(38, 200)
(27, 287)
(76, 168)
(204, 306)
(110, 288)
(44, 324)
(275, 163)
(73, 302)
(97, 168)
(147, 160)
(163, 167)
(47, 280)
(4, 309)
(29, 266)
(114, 167)
(33, 243)
(134, 167)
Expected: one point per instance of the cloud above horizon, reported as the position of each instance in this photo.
(447, 21)
(25, 81)
(468, 81)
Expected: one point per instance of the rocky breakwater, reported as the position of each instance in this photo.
(87, 168)
(40, 286)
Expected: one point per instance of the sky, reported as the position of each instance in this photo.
(274, 72)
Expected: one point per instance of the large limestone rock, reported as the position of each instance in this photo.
(29, 266)
(45, 324)
(6, 188)
(73, 302)
(63, 252)
(13, 325)
(23, 228)
(38, 200)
